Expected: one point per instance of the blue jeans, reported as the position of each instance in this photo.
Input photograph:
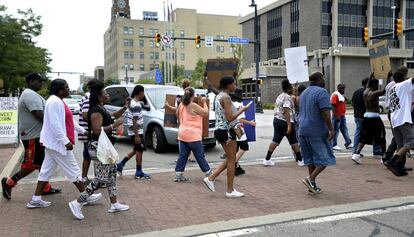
(358, 126)
(198, 151)
(340, 124)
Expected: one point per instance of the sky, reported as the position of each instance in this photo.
(73, 29)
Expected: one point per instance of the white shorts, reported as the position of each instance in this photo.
(66, 162)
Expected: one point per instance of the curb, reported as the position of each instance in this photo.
(13, 163)
(280, 218)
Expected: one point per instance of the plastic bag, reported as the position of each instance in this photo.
(106, 152)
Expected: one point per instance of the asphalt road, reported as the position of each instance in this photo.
(154, 162)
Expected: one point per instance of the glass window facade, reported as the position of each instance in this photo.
(351, 22)
(382, 21)
(294, 23)
(274, 34)
(409, 23)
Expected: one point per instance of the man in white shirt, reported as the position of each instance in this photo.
(400, 101)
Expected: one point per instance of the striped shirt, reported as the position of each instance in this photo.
(82, 122)
(135, 110)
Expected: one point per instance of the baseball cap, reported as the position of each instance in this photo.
(35, 76)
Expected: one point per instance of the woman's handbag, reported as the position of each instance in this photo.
(92, 147)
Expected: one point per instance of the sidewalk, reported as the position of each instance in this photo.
(160, 203)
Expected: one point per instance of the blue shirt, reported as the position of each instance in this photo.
(312, 101)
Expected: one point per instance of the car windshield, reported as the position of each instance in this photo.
(70, 101)
(76, 97)
(157, 95)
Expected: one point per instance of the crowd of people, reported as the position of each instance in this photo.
(309, 118)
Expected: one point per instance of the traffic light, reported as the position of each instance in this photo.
(398, 27)
(366, 35)
(197, 41)
(157, 40)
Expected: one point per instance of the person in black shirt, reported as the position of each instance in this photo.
(359, 110)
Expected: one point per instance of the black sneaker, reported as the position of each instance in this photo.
(239, 171)
(311, 185)
(6, 189)
(393, 167)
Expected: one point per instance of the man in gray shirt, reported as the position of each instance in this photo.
(30, 111)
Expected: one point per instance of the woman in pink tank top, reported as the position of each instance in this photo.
(190, 117)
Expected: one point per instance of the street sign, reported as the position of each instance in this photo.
(158, 76)
(209, 41)
(166, 40)
(236, 40)
(8, 120)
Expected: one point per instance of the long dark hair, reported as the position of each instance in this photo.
(188, 94)
(56, 86)
(96, 91)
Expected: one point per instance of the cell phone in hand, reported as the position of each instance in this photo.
(249, 103)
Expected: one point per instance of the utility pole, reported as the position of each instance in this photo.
(257, 57)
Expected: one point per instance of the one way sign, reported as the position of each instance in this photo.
(209, 41)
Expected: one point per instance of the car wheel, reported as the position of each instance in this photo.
(210, 146)
(159, 143)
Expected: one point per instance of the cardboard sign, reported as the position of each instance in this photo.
(170, 118)
(8, 120)
(250, 115)
(297, 64)
(380, 59)
(205, 118)
(219, 68)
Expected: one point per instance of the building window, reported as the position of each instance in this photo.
(151, 44)
(220, 37)
(141, 31)
(182, 57)
(182, 33)
(154, 66)
(220, 49)
(131, 79)
(128, 54)
(151, 55)
(274, 37)
(129, 66)
(142, 67)
(141, 43)
(128, 30)
(141, 55)
(182, 45)
(128, 42)
(294, 23)
(156, 55)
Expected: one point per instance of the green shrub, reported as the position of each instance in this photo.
(269, 106)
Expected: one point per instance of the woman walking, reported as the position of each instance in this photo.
(190, 116)
(99, 118)
(226, 135)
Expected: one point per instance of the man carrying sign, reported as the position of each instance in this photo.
(30, 110)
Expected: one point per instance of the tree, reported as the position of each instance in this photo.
(197, 76)
(19, 54)
(111, 81)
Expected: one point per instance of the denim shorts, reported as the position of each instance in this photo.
(316, 151)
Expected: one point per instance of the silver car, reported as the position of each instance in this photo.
(156, 135)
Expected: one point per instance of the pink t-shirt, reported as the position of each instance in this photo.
(191, 126)
(70, 126)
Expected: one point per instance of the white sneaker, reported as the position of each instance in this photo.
(36, 204)
(357, 158)
(268, 163)
(234, 194)
(118, 207)
(76, 209)
(210, 184)
(349, 146)
(94, 198)
(337, 148)
(301, 163)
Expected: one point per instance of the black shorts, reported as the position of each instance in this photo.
(139, 147)
(280, 130)
(222, 136)
(243, 145)
(372, 131)
(34, 154)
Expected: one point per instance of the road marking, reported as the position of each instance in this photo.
(358, 214)
(317, 220)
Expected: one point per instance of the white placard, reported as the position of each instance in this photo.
(8, 120)
(209, 41)
(297, 64)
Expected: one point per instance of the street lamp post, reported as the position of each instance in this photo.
(257, 57)
(126, 74)
(393, 20)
